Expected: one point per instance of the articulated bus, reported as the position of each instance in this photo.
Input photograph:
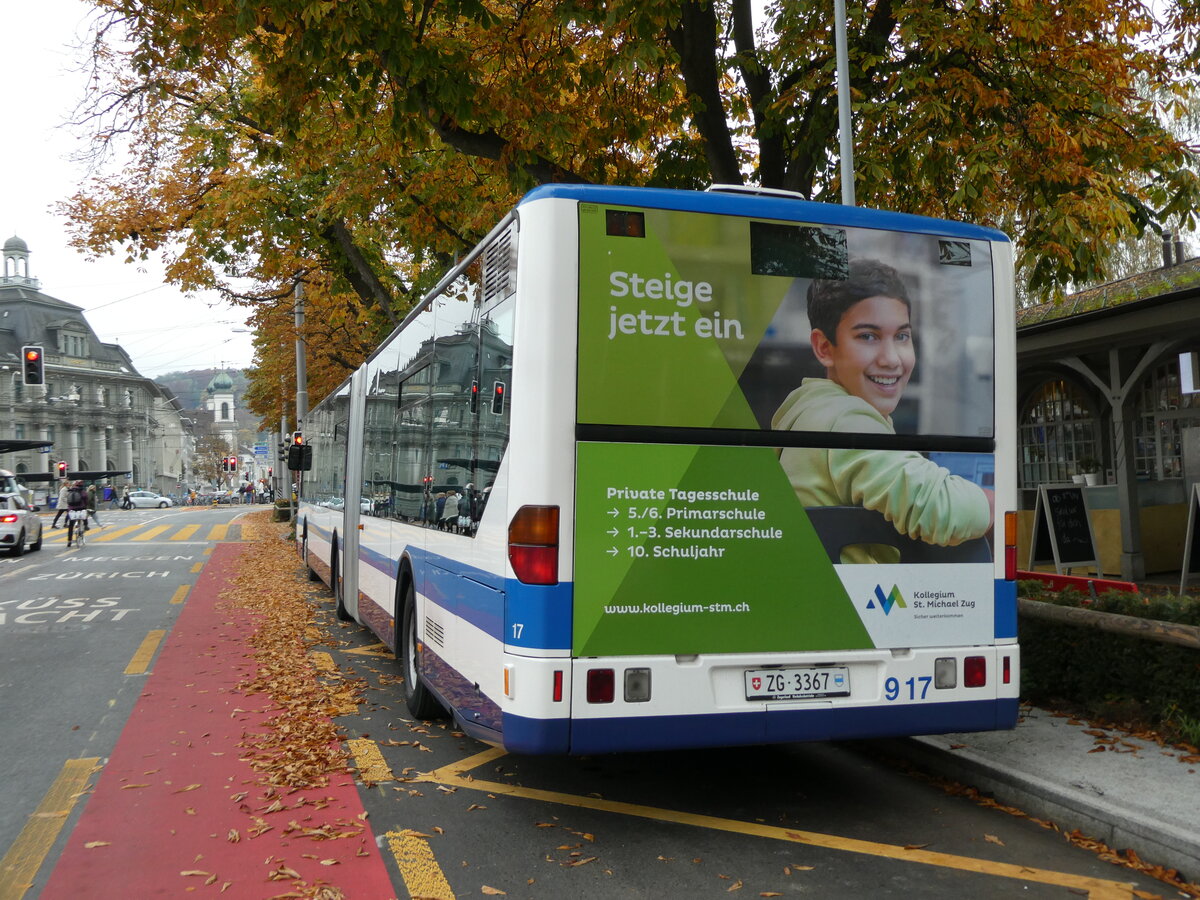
(656, 469)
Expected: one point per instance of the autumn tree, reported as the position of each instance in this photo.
(210, 450)
(358, 146)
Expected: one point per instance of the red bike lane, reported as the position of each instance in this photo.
(178, 810)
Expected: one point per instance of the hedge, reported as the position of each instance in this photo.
(1109, 674)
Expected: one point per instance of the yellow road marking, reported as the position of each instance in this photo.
(120, 532)
(185, 532)
(455, 775)
(143, 655)
(371, 766)
(379, 649)
(151, 533)
(418, 867)
(208, 551)
(197, 567)
(28, 851)
(181, 593)
(217, 533)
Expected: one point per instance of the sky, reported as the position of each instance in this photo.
(40, 84)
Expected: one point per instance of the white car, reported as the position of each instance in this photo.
(149, 500)
(20, 525)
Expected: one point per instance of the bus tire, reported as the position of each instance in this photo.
(419, 698)
(336, 584)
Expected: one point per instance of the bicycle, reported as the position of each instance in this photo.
(79, 517)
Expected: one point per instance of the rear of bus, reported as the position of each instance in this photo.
(707, 599)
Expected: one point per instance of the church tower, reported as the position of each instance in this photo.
(219, 400)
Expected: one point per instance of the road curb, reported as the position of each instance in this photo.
(1077, 806)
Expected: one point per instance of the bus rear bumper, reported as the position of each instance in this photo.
(771, 726)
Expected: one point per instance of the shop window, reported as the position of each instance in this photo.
(1058, 435)
(1162, 411)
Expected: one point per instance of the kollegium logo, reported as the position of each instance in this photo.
(892, 598)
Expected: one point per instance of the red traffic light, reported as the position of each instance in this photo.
(33, 368)
(62, 470)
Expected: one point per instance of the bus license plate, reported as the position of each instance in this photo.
(798, 683)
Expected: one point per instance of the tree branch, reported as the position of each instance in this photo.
(694, 40)
(357, 269)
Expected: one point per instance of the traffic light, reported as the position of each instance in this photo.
(33, 364)
(62, 470)
(297, 438)
(299, 456)
(474, 396)
(498, 398)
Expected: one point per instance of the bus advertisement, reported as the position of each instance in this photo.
(656, 469)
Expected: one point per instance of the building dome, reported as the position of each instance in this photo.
(220, 382)
(15, 243)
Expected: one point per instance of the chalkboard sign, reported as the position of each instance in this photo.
(1191, 547)
(1062, 529)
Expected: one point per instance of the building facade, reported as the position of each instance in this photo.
(97, 409)
(1102, 393)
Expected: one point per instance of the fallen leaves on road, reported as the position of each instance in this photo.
(1127, 858)
(300, 747)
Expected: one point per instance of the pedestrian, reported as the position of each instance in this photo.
(76, 501)
(126, 503)
(91, 505)
(450, 511)
(60, 508)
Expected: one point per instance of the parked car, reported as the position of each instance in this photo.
(149, 500)
(20, 525)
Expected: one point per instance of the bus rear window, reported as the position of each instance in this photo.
(798, 251)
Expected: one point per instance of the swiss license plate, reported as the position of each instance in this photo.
(798, 683)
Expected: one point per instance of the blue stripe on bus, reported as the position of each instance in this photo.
(523, 735)
(1006, 610)
(763, 207)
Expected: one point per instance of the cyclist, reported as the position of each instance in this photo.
(76, 501)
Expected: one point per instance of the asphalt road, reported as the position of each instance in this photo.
(78, 629)
(456, 818)
(462, 819)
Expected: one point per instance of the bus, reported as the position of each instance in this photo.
(613, 486)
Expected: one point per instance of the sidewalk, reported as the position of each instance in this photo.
(1128, 793)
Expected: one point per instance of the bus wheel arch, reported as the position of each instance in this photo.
(312, 573)
(335, 578)
(417, 695)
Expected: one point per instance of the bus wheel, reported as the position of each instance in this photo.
(418, 697)
(336, 577)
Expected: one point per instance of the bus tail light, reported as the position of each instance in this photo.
(533, 544)
(1010, 546)
(557, 694)
(974, 671)
(1006, 671)
(601, 685)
